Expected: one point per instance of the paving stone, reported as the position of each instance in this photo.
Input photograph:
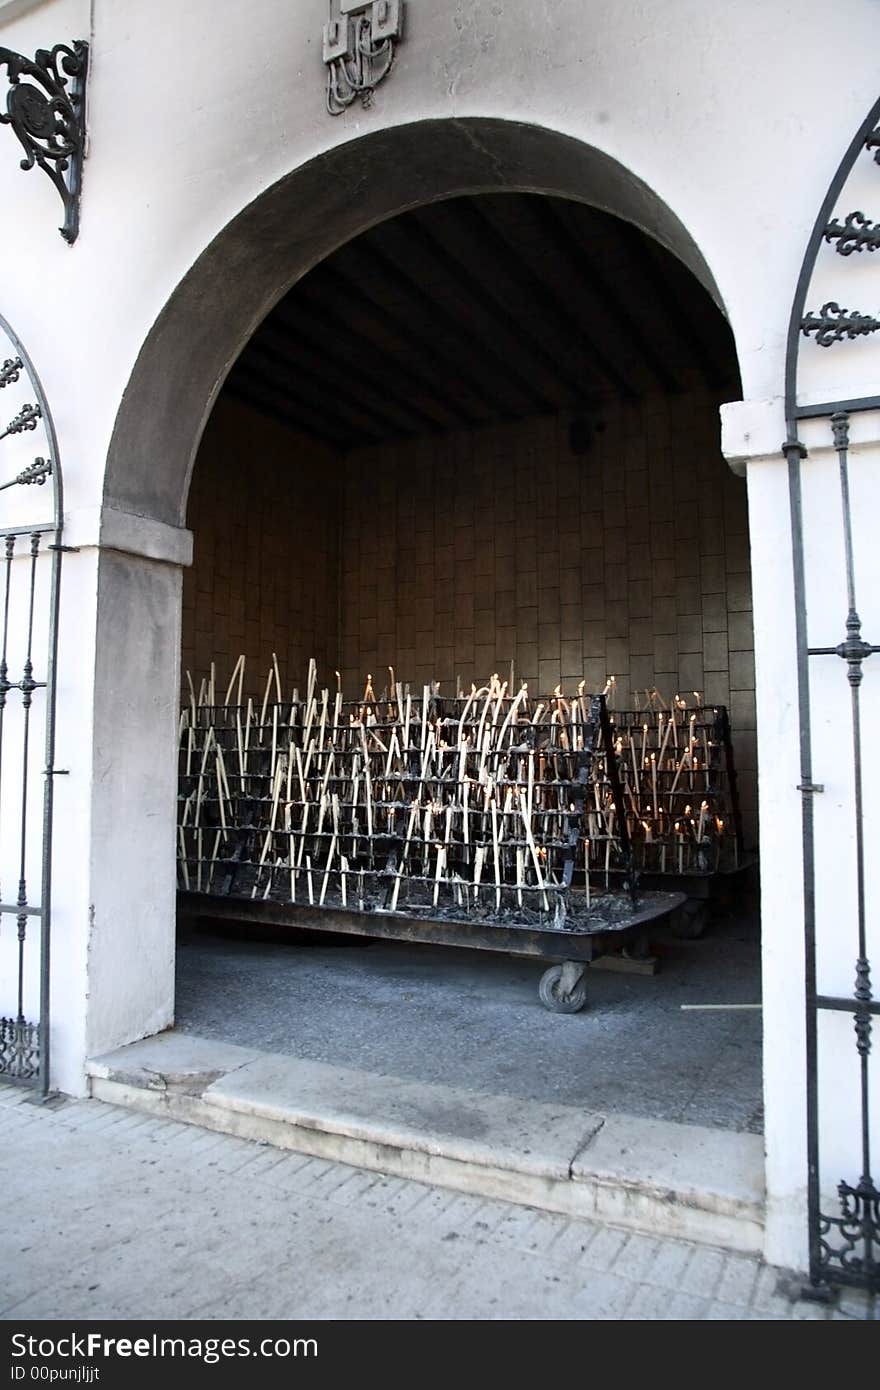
(604, 1248)
(725, 1312)
(162, 1220)
(703, 1273)
(636, 1256)
(738, 1279)
(669, 1264)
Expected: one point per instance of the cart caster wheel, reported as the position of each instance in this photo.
(558, 998)
(690, 921)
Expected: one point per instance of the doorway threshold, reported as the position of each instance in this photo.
(655, 1176)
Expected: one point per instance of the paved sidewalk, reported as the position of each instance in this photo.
(112, 1214)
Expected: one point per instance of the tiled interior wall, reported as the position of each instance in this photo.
(264, 513)
(464, 552)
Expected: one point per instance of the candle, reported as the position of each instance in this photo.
(654, 778)
(587, 872)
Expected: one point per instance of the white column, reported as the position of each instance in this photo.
(114, 863)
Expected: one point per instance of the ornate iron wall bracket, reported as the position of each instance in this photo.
(45, 106)
(832, 324)
(359, 45)
(855, 233)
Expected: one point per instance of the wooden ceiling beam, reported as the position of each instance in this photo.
(335, 391)
(575, 324)
(462, 273)
(306, 340)
(258, 358)
(651, 264)
(246, 381)
(585, 270)
(329, 301)
(492, 377)
(507, 282)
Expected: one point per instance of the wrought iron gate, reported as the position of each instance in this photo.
(844, 1244)
(31, 513)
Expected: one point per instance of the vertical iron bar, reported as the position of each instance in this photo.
(27, 688)
(794, 451)
(852, 651)
(49, 786)
(840, 433)
(4, 666)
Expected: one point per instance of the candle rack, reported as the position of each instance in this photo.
(678, 774)
(475, 805)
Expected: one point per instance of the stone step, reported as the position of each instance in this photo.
(648, 1175)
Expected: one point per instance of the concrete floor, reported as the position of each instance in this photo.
(472, 1019)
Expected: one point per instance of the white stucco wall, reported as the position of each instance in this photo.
(196, 109)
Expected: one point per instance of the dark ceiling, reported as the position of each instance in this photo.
(477, 310)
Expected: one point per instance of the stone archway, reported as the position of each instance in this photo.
(180, 369)
(262, 252)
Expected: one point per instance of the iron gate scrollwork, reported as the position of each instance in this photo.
(844, 1245)
(31, 513)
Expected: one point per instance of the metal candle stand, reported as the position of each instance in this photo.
(682, 822)
(459, 820)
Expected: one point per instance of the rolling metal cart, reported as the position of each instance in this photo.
(612, 922)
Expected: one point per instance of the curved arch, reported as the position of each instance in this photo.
(817, 236)
(301, 219)
(27, 1053)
